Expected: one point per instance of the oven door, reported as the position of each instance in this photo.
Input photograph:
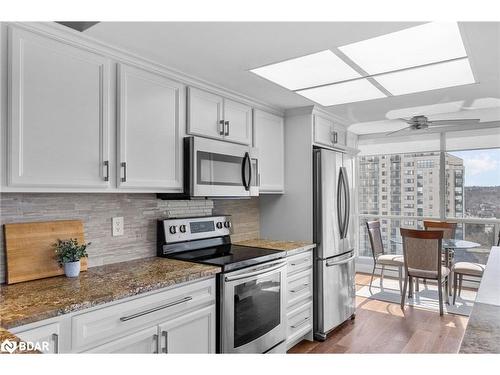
(221, 169)
(253, 308)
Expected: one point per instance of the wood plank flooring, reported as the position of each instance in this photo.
(381, 327)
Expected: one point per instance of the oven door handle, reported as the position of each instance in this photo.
(255, 273)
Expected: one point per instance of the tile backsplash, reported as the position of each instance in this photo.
(140, 212)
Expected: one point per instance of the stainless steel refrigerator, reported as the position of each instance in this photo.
(334, 291)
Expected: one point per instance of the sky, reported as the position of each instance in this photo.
(482, 167)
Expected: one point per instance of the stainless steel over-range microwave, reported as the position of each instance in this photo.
(215, 168)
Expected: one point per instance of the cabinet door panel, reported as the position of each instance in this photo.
(270, 140)
(238, 122)
(190, 333)
(323, 129)
(150, 118)
(46, 338)
(58, 127)
(144, 341)
(204, 114)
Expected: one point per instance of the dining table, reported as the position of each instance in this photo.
(450, 245)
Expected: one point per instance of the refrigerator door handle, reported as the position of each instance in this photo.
(347, 197)
(340, 262)
(340, 214)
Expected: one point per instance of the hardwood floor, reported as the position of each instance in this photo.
(381, 327)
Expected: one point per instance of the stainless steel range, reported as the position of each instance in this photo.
(250, 288)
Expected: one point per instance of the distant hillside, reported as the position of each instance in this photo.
(482, 201)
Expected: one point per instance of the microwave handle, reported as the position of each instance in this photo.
(246, 162)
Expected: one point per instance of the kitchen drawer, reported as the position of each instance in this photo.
(105, 324)
(299, 321)
(299, 262)
(299, 287)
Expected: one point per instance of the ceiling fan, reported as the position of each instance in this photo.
(421, 122)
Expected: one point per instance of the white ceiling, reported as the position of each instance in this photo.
(223, 53)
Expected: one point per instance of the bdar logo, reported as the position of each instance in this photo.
(8, 346)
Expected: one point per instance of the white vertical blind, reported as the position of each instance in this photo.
(473, 139)
(398, 145)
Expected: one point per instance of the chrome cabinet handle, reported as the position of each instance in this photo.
(106, 164)
(165, 348)
(154, 309)
(157, 342)
(265, 270)
(335, 137)
(124, 165)
(221, 131)
(304, 286)
(301, 323)
(55, 338)
(226, 126)
(297, 264)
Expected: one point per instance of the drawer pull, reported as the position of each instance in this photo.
(137, 315)
(299, 263)
(302, 322)
(155, 337)
(55, 338)
(304, 286)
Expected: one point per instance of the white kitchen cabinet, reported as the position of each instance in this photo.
(58, 124)
(151, 117)
(143, 342)
(269, 138)
(205, 116)
(190, 333)
(46, 337)
(299, 298)
(327, 133)
(237, 122)
(212, 116)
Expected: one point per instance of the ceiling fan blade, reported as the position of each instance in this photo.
(453, 122)
(398, 131)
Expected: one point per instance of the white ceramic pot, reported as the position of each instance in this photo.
(72, 269)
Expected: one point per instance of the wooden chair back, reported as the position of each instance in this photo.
(449, 229)
(375, 235)
(422, 252)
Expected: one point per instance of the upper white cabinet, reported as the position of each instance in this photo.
(269, 138)
(327, 133)
(150, 121)
(58, 124)
(210, 115)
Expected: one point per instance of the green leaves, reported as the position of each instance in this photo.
(70, 251)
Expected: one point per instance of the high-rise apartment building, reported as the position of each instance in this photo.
(407, 185)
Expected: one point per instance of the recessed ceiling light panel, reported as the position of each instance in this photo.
(424, 44)
(430, 77)
(345, 92)
(307, 71)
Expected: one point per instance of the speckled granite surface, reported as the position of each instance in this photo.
(291, 247)
(482, 334)
(36, 300)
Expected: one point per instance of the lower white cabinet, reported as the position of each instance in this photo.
(299, 308)
(46, 337)
(269, 138)
(143, 342)
(189, 333)
(172, 320)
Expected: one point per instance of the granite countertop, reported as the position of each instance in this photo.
(482, 334)
(36, 300)
(290, 247)
(13, 348)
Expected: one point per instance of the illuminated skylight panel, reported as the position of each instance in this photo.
(428, 43)
(345, 92)
(312, 70)
(431, 77)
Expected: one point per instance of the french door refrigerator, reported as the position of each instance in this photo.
(334, 292)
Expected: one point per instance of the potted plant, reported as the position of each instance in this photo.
(68, 254)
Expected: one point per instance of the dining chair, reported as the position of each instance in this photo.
(449, 231)
(422, 259)
(460, 269)
(379, 256)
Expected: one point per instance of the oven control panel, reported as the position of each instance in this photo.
(196, 228)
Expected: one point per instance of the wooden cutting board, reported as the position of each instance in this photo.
(30, 252)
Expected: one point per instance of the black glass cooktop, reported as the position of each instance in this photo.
(229, 257)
